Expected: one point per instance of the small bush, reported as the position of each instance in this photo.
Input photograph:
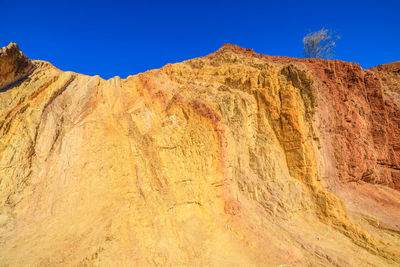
(320, 44)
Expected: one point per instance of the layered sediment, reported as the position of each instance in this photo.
(233, 159)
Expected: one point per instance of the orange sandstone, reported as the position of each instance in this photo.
(233, 159)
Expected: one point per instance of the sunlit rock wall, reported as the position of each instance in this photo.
(233, 159)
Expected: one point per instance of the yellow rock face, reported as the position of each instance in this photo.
(216, 161)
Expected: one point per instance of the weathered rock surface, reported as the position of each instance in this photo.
(233, 159)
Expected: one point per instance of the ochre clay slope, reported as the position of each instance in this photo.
(233, 159)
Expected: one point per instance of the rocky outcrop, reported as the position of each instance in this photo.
(13, 65)
(233, 159)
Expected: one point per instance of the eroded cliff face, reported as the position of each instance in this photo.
(233, 159)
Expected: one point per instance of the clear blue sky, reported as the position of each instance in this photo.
(121, 38)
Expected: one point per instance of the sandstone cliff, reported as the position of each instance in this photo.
(233, 159)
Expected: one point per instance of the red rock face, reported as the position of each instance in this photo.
(390, 79)
(360, 126)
